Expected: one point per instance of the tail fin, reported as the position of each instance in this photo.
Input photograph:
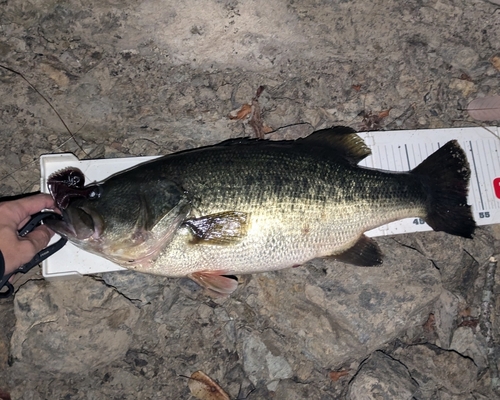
(446, 173)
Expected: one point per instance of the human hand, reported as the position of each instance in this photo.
(14, 215)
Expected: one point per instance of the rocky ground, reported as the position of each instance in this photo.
(144, 78)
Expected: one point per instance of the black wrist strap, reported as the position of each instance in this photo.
(2, 265)
(4, 280)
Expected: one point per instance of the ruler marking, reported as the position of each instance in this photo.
(378, 159)
(412, 156)
(487, 167)
(401, 157)
(394, 160)
(493, 172)
(407, 157)
(486, 173)
(473, 187)
(475, 173)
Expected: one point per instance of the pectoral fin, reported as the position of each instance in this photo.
(222, 228)
(215, 282)
(364, 253)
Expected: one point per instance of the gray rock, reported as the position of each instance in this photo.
(139, 288)
(445, 313)
(291, 390)
(70, 327)
(152, 77)
(434, 368)
(334, 312)
(459, 264)
(260, 364)
(470, 343)
(381, 377)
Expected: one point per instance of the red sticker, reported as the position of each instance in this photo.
(496, 186)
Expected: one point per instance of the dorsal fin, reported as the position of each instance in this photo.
(341, 139)
(239, 141)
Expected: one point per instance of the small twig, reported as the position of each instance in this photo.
(487, 305)
(404, 116)
(255, 120)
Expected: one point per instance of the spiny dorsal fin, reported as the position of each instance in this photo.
(341, 139)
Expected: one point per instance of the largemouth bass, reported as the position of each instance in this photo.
(246, 206)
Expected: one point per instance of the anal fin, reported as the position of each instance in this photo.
(215, 282)
(364, 253)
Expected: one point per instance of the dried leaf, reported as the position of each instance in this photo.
(204, 388)
(430, 325)
(495, 61)
(471, 323)
(267, 129)
(336, 375)
(253, 113)
(384, 114)
(357, 88)
(465, 313)
(242, 113)
(260, 89)
(371, 121)
(485, 108)
(4, 395)
(465, 77)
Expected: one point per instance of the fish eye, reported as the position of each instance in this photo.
(95, 193)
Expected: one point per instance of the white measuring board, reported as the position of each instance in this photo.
(391, 150)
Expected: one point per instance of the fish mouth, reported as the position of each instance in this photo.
(69, 184)
(77, 223)
(68, 189)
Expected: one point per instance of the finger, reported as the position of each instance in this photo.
(33, 204)
(23, 208)
(23, 222)
(38, 238)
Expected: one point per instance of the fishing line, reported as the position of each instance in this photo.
(48, 102)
